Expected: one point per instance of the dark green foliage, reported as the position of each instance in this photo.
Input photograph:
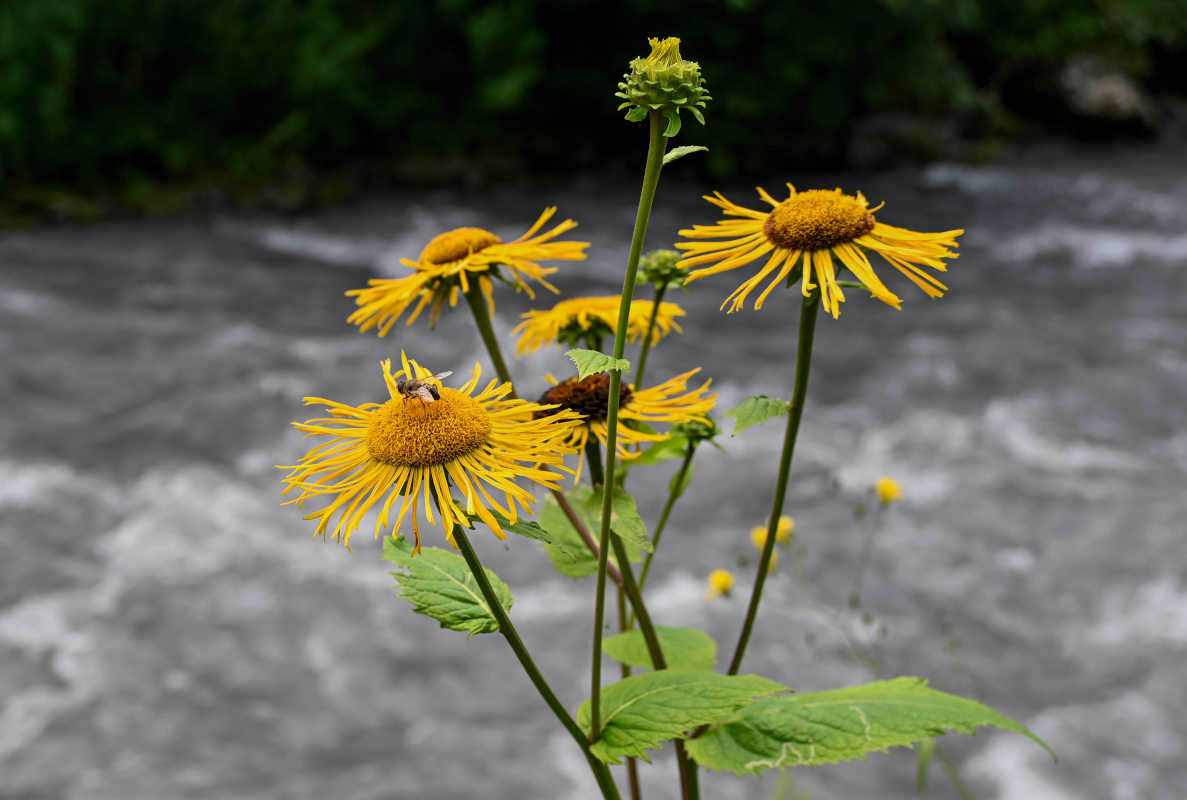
(101, 94)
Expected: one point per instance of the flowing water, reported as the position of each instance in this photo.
(169, 630)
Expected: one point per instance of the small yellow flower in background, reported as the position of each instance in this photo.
(887, 490)
(670, 401)
(808, 230)
(786, 527)
(405, 447)
(720, 583)
(454, 258)
(569, 321)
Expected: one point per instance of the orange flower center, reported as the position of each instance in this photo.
(412, 433)
(457, 244)
(817, 219)
(590, 397)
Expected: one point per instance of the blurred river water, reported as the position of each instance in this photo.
(168, 630)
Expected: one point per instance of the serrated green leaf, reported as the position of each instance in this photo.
(590, 362)
(755, 411)
(839, 725)
(642, 711)
(439, 584)
(680, 152)
(524, 527)
(680, 481)
(624, 519)
(684, 648)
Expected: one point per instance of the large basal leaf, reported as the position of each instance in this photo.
(839, 725)
(624, 519)
(755, 411)
(438, 583)
(590, 362)
(642, 711)
(684, 648)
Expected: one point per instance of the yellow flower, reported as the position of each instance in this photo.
(670, 401)
(451, 260)
(569, 321)
(786, 527)
(887, 490)
(405, 447)
(720, 582)
(806, 231)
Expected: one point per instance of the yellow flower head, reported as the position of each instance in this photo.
(570, 322)
(720, 582)
(786, 527)
(670, 401)
(803, 234)
(451, 260)
(473, 443)
(887, 490)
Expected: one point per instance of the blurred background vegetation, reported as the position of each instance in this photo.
(128, 99)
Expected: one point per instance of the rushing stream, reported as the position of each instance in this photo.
(169, 631)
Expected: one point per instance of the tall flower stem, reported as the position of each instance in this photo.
(689, 787)
(673, 495)
(645, 348)
(600, 770)
(655, 160)
(486, 329)
(803, 361)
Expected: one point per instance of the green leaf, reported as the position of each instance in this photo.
(755, 411)
(624, 519)
(524, 527)
(636, 114)
(680, 152)
(640, 712)
(853, 285)
(438, 583)
(590, 362)
(672, 447)
(839, 725)
(569, 553)
(680, 481)
(684, 648)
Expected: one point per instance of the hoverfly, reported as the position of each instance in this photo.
(421, 388)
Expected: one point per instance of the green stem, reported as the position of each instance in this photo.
(646, 346)
(803, 361)
(486, 329)
(663, 517)
(688, 770)
(593, 454)
(600, 770)
(655, 160)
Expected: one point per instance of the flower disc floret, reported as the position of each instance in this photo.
(456, 244)
(816, 220)
(418, 434)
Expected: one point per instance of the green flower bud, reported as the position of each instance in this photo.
(663, 82)
(659, 268)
